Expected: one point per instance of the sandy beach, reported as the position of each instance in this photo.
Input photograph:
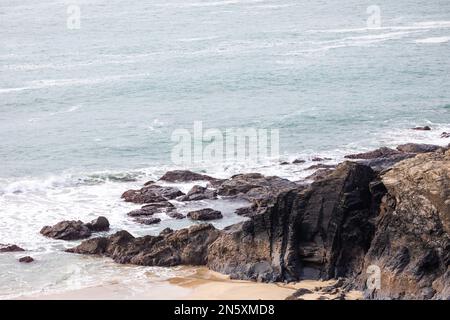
(200, 284)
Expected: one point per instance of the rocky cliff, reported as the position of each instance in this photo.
(345, 222)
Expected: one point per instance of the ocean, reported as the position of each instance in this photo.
(88, 106)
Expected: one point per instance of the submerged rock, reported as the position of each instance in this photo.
(424, 128)
(148, 221)
(445, 135)
(186, 246)
(10, 248)
(26, 259)
(205, 214)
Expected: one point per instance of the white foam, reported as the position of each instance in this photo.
(433, 40)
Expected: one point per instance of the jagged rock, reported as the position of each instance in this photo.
(99, 224)
(151, 209)
(445, 135)
(67, 230)
(183, 247)
(256, 188)
(26, 259)
(417, 148)
(411, 245)
(185, 176)
(205, 214)
(151, 193)
(424, 128)
(322, 231)
(283, 163)
(10, 248)
(317, 159)
(148, 221)
(199, 193)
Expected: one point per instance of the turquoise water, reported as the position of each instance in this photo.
(108, 96)
(86, 114)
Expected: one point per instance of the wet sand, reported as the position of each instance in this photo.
(200, 283)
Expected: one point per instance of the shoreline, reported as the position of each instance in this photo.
(201, 284)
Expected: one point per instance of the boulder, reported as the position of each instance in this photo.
(67, 230)
(411, 245)
(182, 247)
(185, 176)
(205, 214)
(75, 230)
(199, 193)
(10, 248)
(26, 259)
(319, 174)
(147, 221)
(298, 161)
(99, 224)
(151, 193)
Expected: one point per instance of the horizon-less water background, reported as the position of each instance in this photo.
(87, 114)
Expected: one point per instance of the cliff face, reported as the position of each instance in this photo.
(350, 221)
(412, 242)
(319, 232)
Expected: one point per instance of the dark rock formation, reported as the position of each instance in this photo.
(151, 209)
(445, 135)
(412, 240)
(300, 292)
(67, 230)
(319, 174)
(298, 161)
(10, 248)
(417, 148)
(187, 246)
(26, 259)
(425, 128)
(99, 224)
(147, 221)
(151, 193)
(185, 176)
(75, 230)
(199, 193)
(175, 215)
(205, 214)
(382, 152)
(319, 232)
